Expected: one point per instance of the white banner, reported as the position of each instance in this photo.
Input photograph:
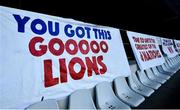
(158, 39)
(168, 48)
(50, 57)
(177, 45)
(146, 50)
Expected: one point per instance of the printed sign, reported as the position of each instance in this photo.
(168, 48)
(50, 57)
(158, 39)
(177, 45)
(145, 49)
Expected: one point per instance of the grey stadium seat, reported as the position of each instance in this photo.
(166, 69)
(46, 104)
(81, 99)
(170, 65)
(136, 85)
(169, 68)
(160, 69)
(156, 72)
(124, 92)
(106, 99)
(152, 76)
(146, 81)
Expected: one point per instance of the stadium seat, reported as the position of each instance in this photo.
(146, 81)
(167, 69)
(136, 85)
(161, 70)
(152, 76)
(124, 92)
(81, 99)
(63, 102)
(156, 72)
(171, 65)
(106, 99)
(174, 62)
(46, 104)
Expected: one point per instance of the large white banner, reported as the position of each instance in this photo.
(50, 57)
(146, 50)
(177, 45)
(168, 48)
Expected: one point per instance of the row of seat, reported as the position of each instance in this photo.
(122, 93)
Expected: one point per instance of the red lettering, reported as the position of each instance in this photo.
(63, 70)
(68, 43)
(148, 55)
(73, 74)
(170, 49)
(106, 46)
(104, 68)
(48, 76)
(81, 43)
(54, 41)
(83, 46)
(94, 50)
(141, 55)
(92, 66)
(32, 49)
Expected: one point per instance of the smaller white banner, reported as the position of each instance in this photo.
(168, 48)
(146, 50)
(177, 45)
(158, 40)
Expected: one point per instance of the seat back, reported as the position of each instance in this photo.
(81, 99)
(142, 76)
(170, 63)
(156, 72)
(104, 93)
(133, 68)
(120, 82)
(165, 68)
(124, 92)
(160, 69)
(149, 73)
(136, 85)
(63, 102)
(132, 79)
(154, 69)
(106, 99)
